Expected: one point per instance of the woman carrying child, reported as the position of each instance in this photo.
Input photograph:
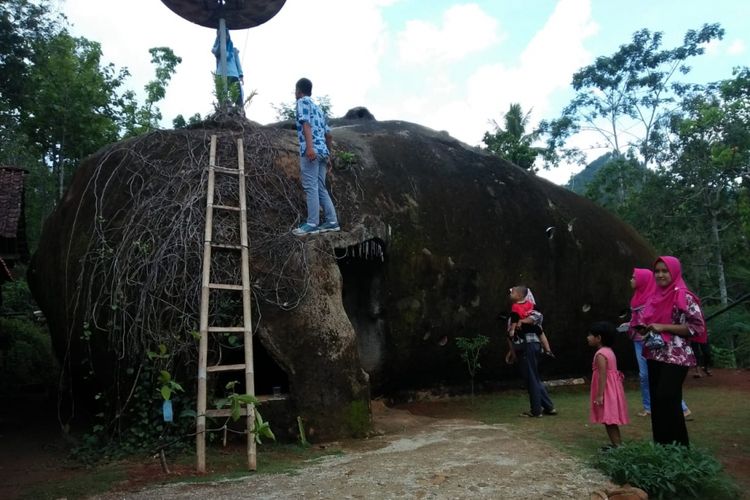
(608, 404)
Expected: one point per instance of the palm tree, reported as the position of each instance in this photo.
(513, 143)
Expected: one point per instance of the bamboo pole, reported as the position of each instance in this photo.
(246, 310)
(200, 431)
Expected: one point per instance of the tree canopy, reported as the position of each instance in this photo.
(59, 102)
(512, 142)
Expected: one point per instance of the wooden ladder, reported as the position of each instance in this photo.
(207, 286)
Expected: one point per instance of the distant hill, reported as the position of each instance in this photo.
(579, 181)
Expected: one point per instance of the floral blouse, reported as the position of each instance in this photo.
(678, 350)
(635, 315)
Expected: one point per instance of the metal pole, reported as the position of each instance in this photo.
(223, 55)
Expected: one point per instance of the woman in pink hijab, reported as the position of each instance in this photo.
(673, 314)
(644, 286)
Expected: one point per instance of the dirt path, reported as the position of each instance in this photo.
(417, 457)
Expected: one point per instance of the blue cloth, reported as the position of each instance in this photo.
(166, 409)
(309, 112)
(528, 362)
(234, 68)
(313, 176)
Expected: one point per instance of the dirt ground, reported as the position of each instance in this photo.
(418, 454)
(416, 457)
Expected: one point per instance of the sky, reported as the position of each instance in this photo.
(445, 64)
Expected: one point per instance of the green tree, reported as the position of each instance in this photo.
(138, 118)
(22, 25)
(70, 111)
(693, 204)
(288, 110)
(712, 152)
(626, 98)
(512, 142)
(59, 102)
(180, 122)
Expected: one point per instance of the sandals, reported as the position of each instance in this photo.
(644, 413)
(528, 414)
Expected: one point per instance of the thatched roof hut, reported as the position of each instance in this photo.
(13, 244)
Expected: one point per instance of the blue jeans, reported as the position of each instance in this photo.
(528, 363)
(313, 177)
(643, 375)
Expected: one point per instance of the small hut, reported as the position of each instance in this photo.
(13, 245)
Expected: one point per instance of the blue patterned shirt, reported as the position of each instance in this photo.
(308, 111)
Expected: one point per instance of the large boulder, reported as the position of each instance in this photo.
(433, 234)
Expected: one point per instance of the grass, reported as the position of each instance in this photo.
(99, 480)
(720, 426)
(221, 464)
(719, 423)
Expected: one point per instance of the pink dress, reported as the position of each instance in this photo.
(614, 411)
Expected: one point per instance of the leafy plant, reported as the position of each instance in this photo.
(226, 94)
(26, 356)
(344, 160)
(137, 425)
(470, 348)
(236, 403)
(168, 386)
(670, 471)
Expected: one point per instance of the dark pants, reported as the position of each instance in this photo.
(528, 363)
(665, 384)
(703, 354)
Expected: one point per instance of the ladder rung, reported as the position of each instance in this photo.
(226, 412)
(223, 286)
(226, 246)
(225, 368)
(227, 207)
(226, 329)
(272, 397)
(230, 171)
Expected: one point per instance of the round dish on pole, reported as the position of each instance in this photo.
(239, 14)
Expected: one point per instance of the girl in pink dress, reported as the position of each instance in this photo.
(608, 405)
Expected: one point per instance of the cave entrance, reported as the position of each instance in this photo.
(362, 272)
(270, 378)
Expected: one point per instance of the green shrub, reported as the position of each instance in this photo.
(729, 335)
(25, 356)
(17, 297)
(137, 427)
(670, 471)
(357, 418)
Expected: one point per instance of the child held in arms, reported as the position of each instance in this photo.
(525, 317)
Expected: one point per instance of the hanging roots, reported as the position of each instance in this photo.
(140, 276)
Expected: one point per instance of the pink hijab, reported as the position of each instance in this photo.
(645, 286)
(659, 308)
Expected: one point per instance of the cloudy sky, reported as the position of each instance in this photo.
(446, 64)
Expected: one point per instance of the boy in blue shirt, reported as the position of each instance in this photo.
(314, 149)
